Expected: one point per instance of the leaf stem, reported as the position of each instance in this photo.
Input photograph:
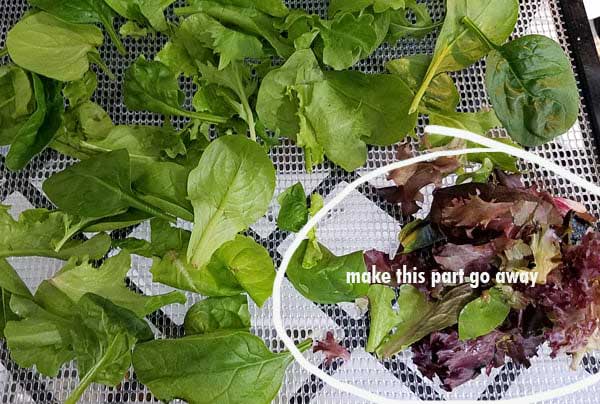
(3, 52)
(115, 38)
(83, 223)
(304, 345)
(203, 116)
(89, 376)
(483, 37)
(431, 72)
(95, 58)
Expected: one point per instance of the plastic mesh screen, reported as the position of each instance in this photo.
(362, 221)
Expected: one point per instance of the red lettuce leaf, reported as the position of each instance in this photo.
(331, 349)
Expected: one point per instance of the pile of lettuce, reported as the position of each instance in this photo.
(262, 72)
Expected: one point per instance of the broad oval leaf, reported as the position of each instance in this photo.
(53, 48)
(230, 189)
(483, 314)
(218, 313)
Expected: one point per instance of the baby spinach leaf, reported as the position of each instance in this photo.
(383, 317)
(235, 85)
(230, 189)
(275, 8)
(143, 11)
(104, 187)
(419, 317)
(74, 280)
(152, 86)
(245, 19)
(41, 233)
(218, 313)
(41, 127)
(326, 282)
(54, 48)
(482, 315)
(313, 253)
(10, 284)
(253, 374)
(134, 30)
(277, 106)
(457, 47)
(532, 87)
(379, 6)
(83, 12)
(293, 214)
(402, 25)
(79, 91)
(97, 333)
(16, 102)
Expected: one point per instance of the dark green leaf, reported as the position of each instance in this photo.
(253, 374)
(293, 214)
(326, 282)
(10, 284)
(17, 102)
(218, 313)
(143, 11)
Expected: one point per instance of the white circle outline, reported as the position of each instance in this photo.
(492, 146)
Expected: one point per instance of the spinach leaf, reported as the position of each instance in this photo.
(235, 85)
(531, 85)
(133, 30)
(218, 313)
(41, 127)
(482, 315)
(253, 374)
(41, 233)
(97, 333)
(383, 317)
(230, 189)
(419, 317)
(313, 253)
(379, 6)
(348, 38)
(152, 86)
(245, 19)
(74, 280)
(402, 25)
(79, 91)
(10, 284)
(143, 11)
(275, 8)
(54, 48)
(457, 47)
(16, 102)
(83, 12)
(293, 214)
(104, 188)
(326, 282)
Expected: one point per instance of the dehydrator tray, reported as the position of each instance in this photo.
(362, 221)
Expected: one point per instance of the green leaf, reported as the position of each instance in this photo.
(276, 107)
(53, 48)
(16, 101)
(379, 6)
(253, 374)
(152, 86)
(103, 184)
(41, 233)
(97, 333)
(418, 234)
(133, 30)
(402, 26)
(244, 19)
(41, 127)
(457, 46)
(348, 38)
(74, 280)
(326, 282)
(383, 316)
(218, 313)
(83, 12)
(482, 315)
(143, 11)
(79, 91)
(420, 317)
(313, 253)
(235, 85)
(275, 8)
(250, 264)
(10, 284)
(293, 214)
(532, 87)
(230, 189)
